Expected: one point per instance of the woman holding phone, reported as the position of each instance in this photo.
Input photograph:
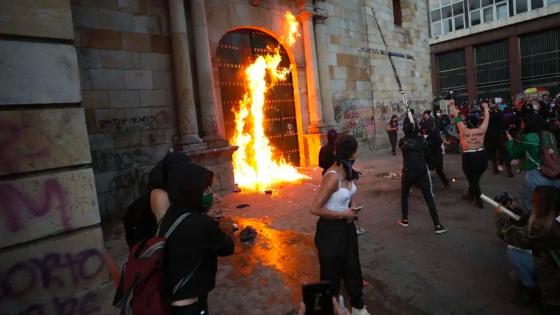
(336, 238)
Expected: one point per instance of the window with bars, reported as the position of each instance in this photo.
(452, 70)
(540, 60)
(492, 70)
(492, 63)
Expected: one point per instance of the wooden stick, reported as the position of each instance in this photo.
(501, 208)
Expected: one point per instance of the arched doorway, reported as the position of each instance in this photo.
(236, 50)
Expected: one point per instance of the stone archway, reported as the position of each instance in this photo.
(236, 50)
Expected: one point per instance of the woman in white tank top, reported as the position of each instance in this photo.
(336, 239)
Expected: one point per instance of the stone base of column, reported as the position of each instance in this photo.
(188, 143)
(190, 147)
(312, 145)
(320, 127)
(215, 141)
(218, 161)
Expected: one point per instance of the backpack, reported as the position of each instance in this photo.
(139, 221)
(550, 166)
(141, 290)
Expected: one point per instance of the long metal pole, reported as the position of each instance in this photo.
(403, 95)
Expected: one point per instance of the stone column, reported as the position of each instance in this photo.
(322, 39)
(186, 110)
(314, 102)
(208, 105)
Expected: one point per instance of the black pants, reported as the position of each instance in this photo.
(339, 257)
(198, 308)
(499, 155)
(424, 182)
(474, 165)
(435, 163)
(393, 140)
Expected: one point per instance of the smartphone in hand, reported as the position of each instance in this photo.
(318, 298)
(357, 209)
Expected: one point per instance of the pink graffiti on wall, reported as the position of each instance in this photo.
(14, 202)
(10, 134)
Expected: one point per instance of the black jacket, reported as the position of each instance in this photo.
(197, 239)
(414, 160)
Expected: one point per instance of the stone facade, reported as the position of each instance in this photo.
(364, 90)
(52, 257)
(133, 57)
(124, 53)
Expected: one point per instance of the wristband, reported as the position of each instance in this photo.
(458, 120)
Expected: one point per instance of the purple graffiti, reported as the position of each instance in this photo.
(14, 201)
(51, 272)
(10, 135)
(70, 305)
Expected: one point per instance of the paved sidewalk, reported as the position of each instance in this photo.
(410, 270)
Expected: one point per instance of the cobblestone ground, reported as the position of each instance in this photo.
(409, 270)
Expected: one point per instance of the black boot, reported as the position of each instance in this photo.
(525, 296)
(478, 203)
(509, 172)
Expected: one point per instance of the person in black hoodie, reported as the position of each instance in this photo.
(142, 216)
(196, 243)
(326, 154)
(415, 172)
(434, 152)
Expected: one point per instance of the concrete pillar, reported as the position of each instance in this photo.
(514, 66)
(471, 73)
(186, 110)
(322, 39)
(312, 75)
(208, 105)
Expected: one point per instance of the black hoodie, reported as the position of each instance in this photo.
(197, 239)
(413, 147)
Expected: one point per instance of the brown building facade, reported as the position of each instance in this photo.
(512, 46)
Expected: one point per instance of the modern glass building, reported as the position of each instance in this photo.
(494, 48)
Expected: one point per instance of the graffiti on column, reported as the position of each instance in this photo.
(51, 272)
(10, 134)
(14, 201)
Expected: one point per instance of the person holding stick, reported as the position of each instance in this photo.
(534, 250)
(415, 172)
(475, 157)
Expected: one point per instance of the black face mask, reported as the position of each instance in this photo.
(349, 162)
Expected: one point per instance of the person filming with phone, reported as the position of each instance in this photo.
(336, 238)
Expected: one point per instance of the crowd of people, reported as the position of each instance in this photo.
(175, 209)
(496, 133)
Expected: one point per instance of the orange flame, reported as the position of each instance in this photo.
(255, 165)
(293, 29)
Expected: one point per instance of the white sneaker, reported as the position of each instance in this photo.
(362, 311)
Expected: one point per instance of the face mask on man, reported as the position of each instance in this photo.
(207, 199)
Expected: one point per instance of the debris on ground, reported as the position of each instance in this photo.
(236, 188)
(247, 234)
(243, 205)
(234, 227)
(268, 191)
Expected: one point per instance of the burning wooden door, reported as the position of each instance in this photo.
(238, 49)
